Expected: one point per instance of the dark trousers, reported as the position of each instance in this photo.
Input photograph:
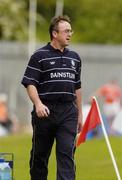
(62, 126)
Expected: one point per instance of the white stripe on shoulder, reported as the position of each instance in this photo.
(45, 59)
(31, 79)
(70, 58)
(34, 68)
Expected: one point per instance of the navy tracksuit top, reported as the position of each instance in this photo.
(55, 74)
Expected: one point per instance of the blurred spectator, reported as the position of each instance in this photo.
(111, 94)
(7, 125)
(117, 123)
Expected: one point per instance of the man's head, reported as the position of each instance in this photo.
(60, 30)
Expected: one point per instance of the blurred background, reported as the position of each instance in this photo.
(24, 27)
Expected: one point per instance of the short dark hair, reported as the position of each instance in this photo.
(55, 21)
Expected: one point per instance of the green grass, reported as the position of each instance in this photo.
(92, 158)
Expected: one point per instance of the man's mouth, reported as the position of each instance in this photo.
(68, 39)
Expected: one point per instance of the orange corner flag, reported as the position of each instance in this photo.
(92, 120)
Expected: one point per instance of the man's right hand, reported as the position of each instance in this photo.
(42, 110)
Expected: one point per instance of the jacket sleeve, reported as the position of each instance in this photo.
(32, 73)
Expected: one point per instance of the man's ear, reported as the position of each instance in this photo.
(54, 33)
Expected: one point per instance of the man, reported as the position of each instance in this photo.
(52, 79)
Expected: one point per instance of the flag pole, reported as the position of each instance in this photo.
(108, 143)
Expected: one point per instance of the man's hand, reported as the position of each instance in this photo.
(42, 110)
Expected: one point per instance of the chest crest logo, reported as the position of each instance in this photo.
(73, 63)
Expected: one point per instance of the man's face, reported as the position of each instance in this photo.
(63, 33)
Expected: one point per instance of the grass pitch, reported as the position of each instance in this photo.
(93, 161)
